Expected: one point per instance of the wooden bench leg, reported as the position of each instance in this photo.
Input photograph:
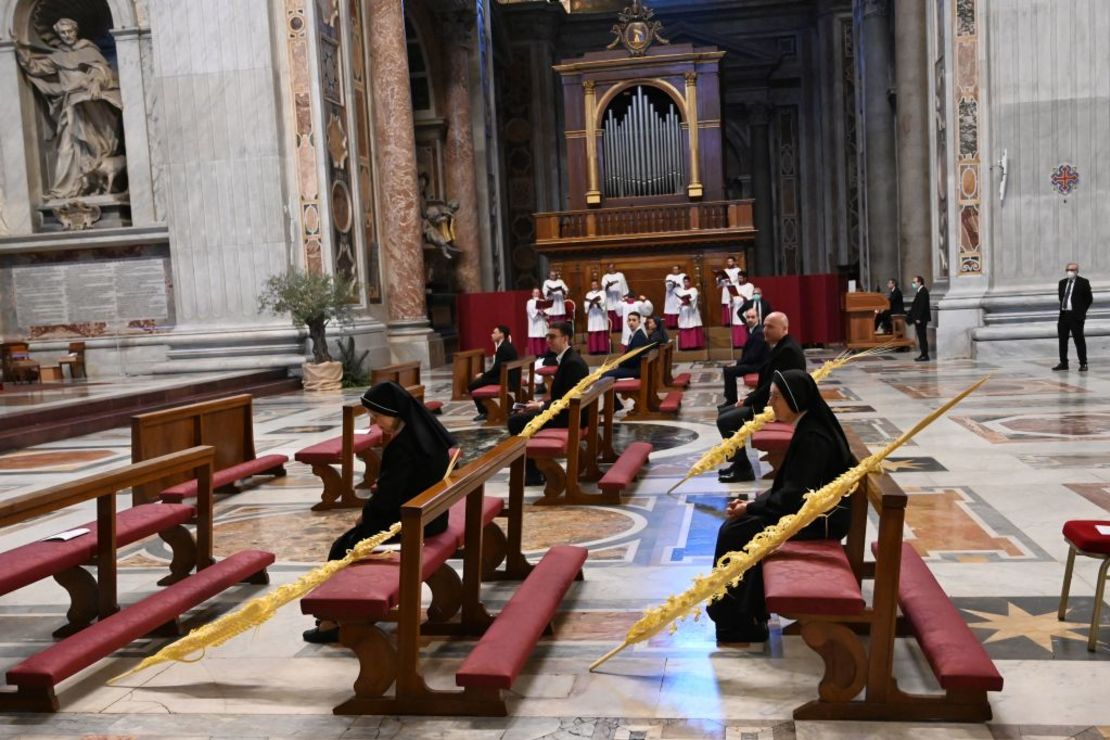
(82, 590)
(495, 546)
(774, 459)
(29, 700)
(335, 495)
(556, 480)
(372, 464)
(845, 660)
(377, 662)
(495, 416)
(446, 587)
(184, 549)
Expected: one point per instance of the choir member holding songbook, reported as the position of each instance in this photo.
(555, 290)
(673, 283)
(728, 280)
(536, 309)
(597, 321)
(691, 335)
(615, 287)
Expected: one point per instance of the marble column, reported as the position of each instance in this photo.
(140, 182)
(911, 67)
(759, 119)
(395, 147)
(878, 132)
(13, 153)
(462, 187)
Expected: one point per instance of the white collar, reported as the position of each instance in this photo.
(559, 357)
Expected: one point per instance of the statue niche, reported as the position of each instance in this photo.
(81, 136)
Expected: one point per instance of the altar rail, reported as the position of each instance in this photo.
(673, 224)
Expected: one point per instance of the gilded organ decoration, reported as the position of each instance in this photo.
(635, 29)
(81, 94)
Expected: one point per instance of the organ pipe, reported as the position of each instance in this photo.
(643, 152)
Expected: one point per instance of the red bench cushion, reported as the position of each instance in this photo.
(330, 452)
(547, 370)
(498, 657)
(626, 467)
(811, 577)
(486, 391)
(37, 560)
(956, 656)
(681, 381)
(74, 653)
(1082, 534)
(751, 380)
(772, 440)
(188, 489)
(456, 518)
(433, 406)
(548, 443)
(671, 402)
(627, 385)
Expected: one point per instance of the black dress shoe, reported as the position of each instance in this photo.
(479, 417)
(1083, 367)
(534, 480)
(757, 632)
(922, 358)
(321, 637)
(1061, 366)
(736, 476)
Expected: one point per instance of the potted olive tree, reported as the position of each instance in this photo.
(312, 300)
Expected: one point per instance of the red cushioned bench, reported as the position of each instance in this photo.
(496, 661)
(548, 446)
(811, 577)
(226, 424)
(36, 677)
(644, 391)
(955, 654)
(751, 380)
(671, 403)
(817, 583)
(363, 596)
(624, 470)
(497, 398)
(63, 560)
(339, 487)
(666, 367)
(774, 439)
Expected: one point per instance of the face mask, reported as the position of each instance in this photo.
(757, 297)
(1070, 274)
(916, 286)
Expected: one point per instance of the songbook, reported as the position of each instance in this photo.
(733, 291)
(67, 535)
(722, 275)
(544, 303)
(672, 283)
(555, 291)
(687, 300)
(611, 283)
(595, 301)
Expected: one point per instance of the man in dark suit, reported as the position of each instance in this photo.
(897, 306)
(1075, 300)
(920, 316)
(786, 354)
(630, 368)
(757, 303)
(503, 351)
(572, 368)
(751, 359)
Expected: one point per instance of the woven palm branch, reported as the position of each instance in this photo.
(730, 568)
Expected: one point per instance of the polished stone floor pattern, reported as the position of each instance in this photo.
(989, 487)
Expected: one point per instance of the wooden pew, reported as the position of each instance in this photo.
(671, 382)
(645, 390)
(497, 399)
(818, 582)
(35, 677)
(339, 487)
(549, 446)
(406, 375)
(464, 366)
(226, 424)
(379, 590)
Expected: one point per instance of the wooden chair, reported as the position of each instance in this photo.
(75, 360)
(551, 445)
(464, 366)
(496, 399)
(16, 362)
(1083, 538)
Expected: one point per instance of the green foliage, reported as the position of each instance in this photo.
(312, 300)
(355, 375)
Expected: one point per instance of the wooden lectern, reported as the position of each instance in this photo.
(859, 317)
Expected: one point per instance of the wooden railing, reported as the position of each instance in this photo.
(682, 223)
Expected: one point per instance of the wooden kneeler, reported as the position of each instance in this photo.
(564, 486)
(339, 486)
(497, 407)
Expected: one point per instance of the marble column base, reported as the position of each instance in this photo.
(1037, 341)
(414, 340)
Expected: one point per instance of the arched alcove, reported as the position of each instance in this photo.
(644, 150)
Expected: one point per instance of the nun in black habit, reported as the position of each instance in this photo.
(415, 458)
(818, 453)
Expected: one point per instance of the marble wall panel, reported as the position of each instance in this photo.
(216, 105)
(1049, 93)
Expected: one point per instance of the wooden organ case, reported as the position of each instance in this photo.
(644, 165)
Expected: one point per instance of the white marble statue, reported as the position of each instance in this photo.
(83, 105)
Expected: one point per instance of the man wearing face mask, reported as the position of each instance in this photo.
(920, 316)
(1075, 299)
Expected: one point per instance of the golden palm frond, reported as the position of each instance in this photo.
(730, 568)
(257, 611)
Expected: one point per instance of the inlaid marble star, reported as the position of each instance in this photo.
(1040, 628)
(893, 466)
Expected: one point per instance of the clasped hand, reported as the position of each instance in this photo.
(736, 508)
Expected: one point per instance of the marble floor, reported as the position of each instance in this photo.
(989, 487)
